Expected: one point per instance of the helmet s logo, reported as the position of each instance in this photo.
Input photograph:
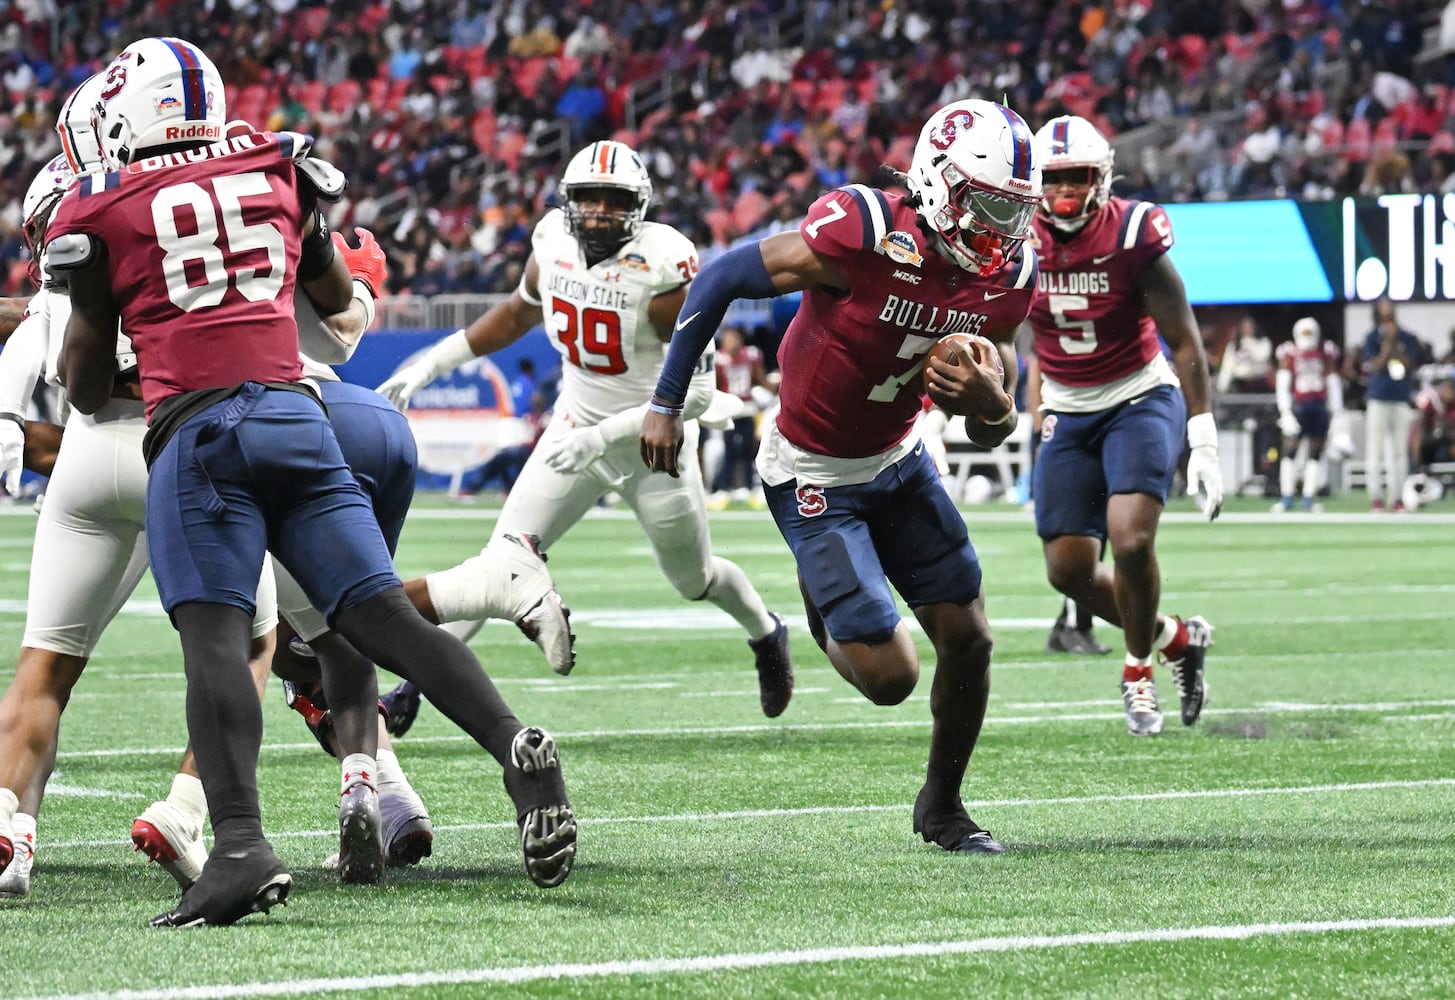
(115, 80)
(945, 135)
(811, 501)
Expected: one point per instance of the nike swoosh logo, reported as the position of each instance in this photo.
(681, 323)
(1103, 258)
(992, 296)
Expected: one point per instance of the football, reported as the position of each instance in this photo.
(968, 349)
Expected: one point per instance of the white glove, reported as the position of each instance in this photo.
(445, 356)
(1204, 471)
(400, 387)
(574, 451)
(1288, 424)
(12, 454)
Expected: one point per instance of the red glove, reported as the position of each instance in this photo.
(366, 263)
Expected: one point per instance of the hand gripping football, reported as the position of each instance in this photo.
(982, 396)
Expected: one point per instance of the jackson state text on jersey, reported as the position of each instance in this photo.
(597, 317)
(1089, 322)
(203, 246)
(1310, 369)
(851, 358)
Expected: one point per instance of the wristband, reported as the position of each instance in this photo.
(15, 417)
(664, 409)
(317, 251)
(1009, 415)
(1202, 431)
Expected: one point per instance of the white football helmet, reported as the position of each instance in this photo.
(1076, 165)
(76, 125)
(975, 183)
(158, 91)
(610, 165)
(1306, 333)
(40, 201)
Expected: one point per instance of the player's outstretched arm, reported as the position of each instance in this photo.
(1166, 301)
(501, 325)
(778, 264)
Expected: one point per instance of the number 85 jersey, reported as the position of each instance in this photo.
(597, 318)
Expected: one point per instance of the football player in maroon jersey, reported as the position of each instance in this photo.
(845, 472)
(1113, 410)
(1310, 392)
(194, 242)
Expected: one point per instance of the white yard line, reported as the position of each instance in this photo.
(733, 815)
(770, 959)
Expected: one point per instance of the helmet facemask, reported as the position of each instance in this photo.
(603, 218)
(979, 229)
(1072, 195)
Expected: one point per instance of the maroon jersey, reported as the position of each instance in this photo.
(851, 358)
(1089, 322)
(1310, 369)
(735, 374)
(203, 248)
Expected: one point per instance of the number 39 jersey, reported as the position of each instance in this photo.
(597, 318)
(202, 247)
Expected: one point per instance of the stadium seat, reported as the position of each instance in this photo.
(1357, 138)
(1386, 137)
(749, 210)
(510, 148)
(529, 73)
(344, 97)
(311, 95)
(1442, 142)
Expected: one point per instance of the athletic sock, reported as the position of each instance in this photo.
(187, 795)
(1137, 668)
(23, 828)
(477, 588)
(9, 805)
(390, 773)
(358, 769)
(731, 591)
(1171, 638)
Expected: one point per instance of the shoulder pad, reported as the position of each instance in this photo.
(70, 252)
(324, 179)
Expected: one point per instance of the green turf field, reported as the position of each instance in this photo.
(1297, 842)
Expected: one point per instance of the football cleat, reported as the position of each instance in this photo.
(1144, 717)
(538, 609)
(775, 668)
(951, 828)
(233, 885)
(1189, 673)
(15, 879)
(547, 824)
(407, 829)
(166, 834)
(401, 706)
(1067, 638)
(361, 841)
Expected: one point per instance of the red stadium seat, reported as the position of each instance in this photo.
(378, 92)
(344, 97)
(1357, 139)
(1441, 142)
(749, 210)
(720, 221)
(529, 74)
(509, 148)
(311, 95)
(1386, 137)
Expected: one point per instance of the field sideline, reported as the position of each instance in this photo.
(1296, 842)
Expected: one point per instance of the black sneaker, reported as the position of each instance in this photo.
(401, 706)
(775, 668)
(547, 824)
(1189, 674)
(1065, 637)
(233, 884)
(951, 827)
(360, 836)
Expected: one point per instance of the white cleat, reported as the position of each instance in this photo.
(408, 833)
(536, 606)
(15, 879)
(167, 835)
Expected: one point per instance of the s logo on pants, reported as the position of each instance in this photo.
(811, 501)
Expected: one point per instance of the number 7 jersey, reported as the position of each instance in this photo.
(597, 319)
(202, 251)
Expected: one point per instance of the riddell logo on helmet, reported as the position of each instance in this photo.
(194, 130)
(1018, 184)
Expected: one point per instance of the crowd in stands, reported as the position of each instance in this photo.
(453, 117)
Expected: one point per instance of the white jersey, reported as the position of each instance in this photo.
(597, 317)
